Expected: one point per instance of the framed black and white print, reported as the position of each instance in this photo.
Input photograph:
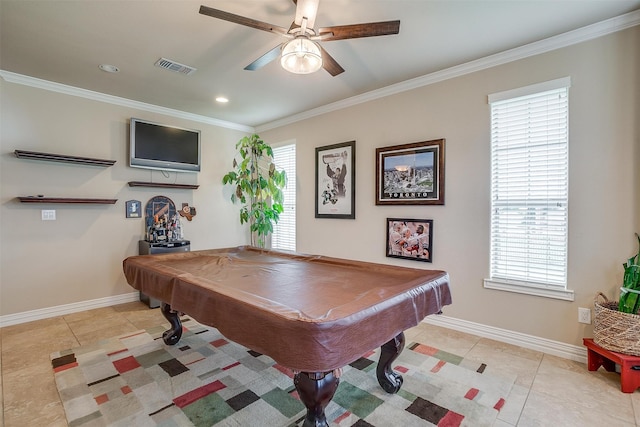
(336, 181)
(410, 239)
(410, 174)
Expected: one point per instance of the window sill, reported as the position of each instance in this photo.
(529, 289)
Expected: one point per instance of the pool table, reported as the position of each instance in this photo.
(313, 314)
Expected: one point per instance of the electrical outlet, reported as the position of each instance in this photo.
(48, 215)
(584, 315)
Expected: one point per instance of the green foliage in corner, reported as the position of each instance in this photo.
(258, 186)
(630, 291)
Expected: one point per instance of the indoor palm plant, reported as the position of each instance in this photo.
(258, 186)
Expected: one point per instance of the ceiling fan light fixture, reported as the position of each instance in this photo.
(301, 56)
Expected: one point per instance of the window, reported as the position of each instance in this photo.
(529, 190)
(284, 232)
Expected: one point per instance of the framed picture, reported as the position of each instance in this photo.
(410, 174)
(410, 239)
(336, 181)
(133, 209)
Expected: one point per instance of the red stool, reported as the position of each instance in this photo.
(629, 365)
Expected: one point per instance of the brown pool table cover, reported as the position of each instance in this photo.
(309, 313)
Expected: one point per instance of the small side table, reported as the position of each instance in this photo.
(629, 365)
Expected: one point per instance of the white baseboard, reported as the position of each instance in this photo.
(544, 345)
(61, 310)
(555, 348)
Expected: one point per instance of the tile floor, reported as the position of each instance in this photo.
(548, 391)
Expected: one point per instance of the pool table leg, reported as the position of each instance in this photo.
(316, 389)
(389, 380)
(173, 335)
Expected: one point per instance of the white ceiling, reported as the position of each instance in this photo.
(65, 41)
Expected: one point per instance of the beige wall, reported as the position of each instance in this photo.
(604, 180)
(79, 256)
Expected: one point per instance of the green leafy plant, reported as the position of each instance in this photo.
(258, 186)
(630, 291)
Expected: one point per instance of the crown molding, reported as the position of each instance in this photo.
(116, 100)
(570, 38)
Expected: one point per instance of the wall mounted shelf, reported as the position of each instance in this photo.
(34, 155)
(163, 185)
(36, 199)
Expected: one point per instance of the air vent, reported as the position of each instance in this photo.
(177, 67)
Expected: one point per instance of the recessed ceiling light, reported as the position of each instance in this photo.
(109, 68)
(222, 99)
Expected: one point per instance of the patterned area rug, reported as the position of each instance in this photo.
(207, 380)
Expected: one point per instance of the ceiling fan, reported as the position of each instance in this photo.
(302, 54)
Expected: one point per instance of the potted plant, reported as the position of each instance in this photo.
(616, 325)
(258, 186)
(630, 290)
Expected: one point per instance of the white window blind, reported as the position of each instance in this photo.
(529, 185)
(284, 232)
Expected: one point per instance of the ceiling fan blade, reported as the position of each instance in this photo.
(371, 29)
(237, 19)
(265, 59)
(330, 64)
(306, 9)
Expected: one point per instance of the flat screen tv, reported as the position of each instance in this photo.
(158, 146)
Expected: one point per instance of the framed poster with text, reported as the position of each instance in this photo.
(410, 174)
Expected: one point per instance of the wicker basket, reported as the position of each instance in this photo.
(614, 330)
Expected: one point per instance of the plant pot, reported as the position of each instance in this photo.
(614, 330)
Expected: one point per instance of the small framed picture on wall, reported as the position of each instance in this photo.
(133, 209)
(410, 239)
(336, 181)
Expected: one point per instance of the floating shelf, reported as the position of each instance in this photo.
(163, 185)
(34, 155)
(36, 199)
